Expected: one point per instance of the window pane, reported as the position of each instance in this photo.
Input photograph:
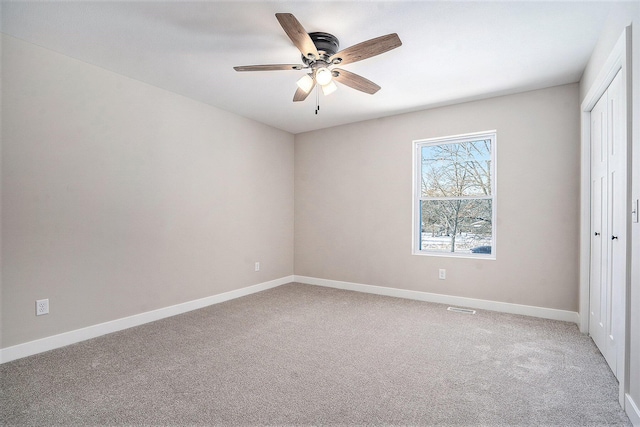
(456, 169)
(461, 226)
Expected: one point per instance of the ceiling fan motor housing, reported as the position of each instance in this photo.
(326, 44)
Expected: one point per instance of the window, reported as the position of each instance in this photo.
(454, 196)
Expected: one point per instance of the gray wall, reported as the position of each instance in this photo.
(120, 198)
(622, 16)
(353, 201)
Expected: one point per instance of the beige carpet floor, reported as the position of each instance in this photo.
(307, 355)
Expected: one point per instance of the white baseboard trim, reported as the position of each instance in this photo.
(504, 307)
(56, 341)
(632, 410)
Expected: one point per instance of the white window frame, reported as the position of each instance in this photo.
(417, 196)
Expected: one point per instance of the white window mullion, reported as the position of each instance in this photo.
(458, 198)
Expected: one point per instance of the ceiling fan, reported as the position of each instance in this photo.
(320, 56)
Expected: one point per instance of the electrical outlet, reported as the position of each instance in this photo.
(442, 274)
(257, 266)
(42, 307)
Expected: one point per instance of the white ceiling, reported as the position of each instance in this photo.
(451, 52)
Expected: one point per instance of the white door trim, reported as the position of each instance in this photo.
(619, 60)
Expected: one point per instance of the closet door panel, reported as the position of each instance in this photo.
(617, 189)
(599, 223)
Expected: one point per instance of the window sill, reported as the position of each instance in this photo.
(491, 257)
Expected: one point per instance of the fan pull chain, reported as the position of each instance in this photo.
(317, 99)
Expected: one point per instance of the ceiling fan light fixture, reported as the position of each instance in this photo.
(305, 83)
(329, 88)
(323, 76)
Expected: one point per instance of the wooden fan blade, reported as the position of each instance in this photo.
(298, 35)
(367, 49)
(355, 81)
(301, 95)
(274, 67)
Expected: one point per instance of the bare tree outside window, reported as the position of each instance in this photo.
(456, 197)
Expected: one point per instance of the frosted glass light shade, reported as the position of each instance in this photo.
(329, 88)
(323, 76)
(305, 83)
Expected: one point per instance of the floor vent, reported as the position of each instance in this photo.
(461, 310)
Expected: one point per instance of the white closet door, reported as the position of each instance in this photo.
(608, 227)
(599, 257)
(617, 241)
